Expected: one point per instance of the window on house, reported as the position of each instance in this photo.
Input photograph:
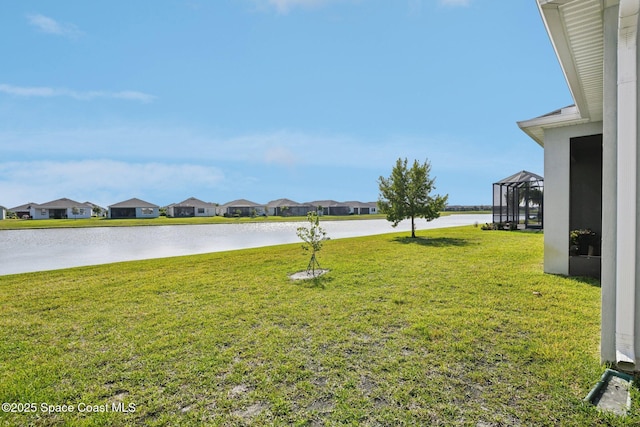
(200, 210)
(43, 212)
(147, 211)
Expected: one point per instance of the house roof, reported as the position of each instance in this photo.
(325, 203)
(93, 205)
(24, 207)
(282, 202)
(242, 203)
(356, 204)
(63, 203)
(192, 202)
(520, 177)
(134, 203)
(576, 30)
(562, 117)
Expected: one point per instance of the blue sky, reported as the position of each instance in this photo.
(263, 99)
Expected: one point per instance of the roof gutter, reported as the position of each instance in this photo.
(627, 172)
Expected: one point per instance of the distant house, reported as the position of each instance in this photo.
(242, 207)
(134, 208)
(362, 208)
(286, 207)
(60, 209)
(23, 211)
(97, 210)
(190, 208)
(330, 207)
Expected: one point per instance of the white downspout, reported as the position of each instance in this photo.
(627, 182)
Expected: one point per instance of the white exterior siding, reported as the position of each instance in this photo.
(205, 211)
(556, 193)
(148, 212)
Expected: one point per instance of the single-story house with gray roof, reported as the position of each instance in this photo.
(287, 207)
(23, 211)
(330, 207)
(242, 207)
(134, 208)
(60, 209)
(190, 208)
(362, 208)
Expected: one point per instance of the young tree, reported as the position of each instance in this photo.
(406, 194)
(312, 236)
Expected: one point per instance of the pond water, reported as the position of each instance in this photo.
(23, 251)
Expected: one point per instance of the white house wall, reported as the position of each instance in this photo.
(154, 213)
(207, 212)
(43, 213)
(556, 193)
(86, 213)
(37, 213)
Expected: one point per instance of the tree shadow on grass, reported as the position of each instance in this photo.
(434, 242)
(319, 282)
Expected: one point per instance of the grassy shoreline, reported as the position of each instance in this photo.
(457, 327)
(18, 224)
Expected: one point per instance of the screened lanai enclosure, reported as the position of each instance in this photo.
(517, 201)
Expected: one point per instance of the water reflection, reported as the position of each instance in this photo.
(24, 251)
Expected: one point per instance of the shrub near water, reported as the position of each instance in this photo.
(456, 327)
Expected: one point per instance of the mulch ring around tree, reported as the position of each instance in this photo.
(307, 274)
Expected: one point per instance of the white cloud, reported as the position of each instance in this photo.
(280, 155)
(27, 91)
(51, 26)
(280, 148)
(100, 181)
(48, 92)
(169, 164)
(243, 154)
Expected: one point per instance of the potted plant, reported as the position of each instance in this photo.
(583, 241)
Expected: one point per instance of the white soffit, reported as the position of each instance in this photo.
(577, 33)
(562, 117)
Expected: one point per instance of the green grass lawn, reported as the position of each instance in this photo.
(457, 327)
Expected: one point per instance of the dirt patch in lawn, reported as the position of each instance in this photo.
(304, 275)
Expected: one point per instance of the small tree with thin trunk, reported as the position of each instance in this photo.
(407, 194)
(313, 237)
